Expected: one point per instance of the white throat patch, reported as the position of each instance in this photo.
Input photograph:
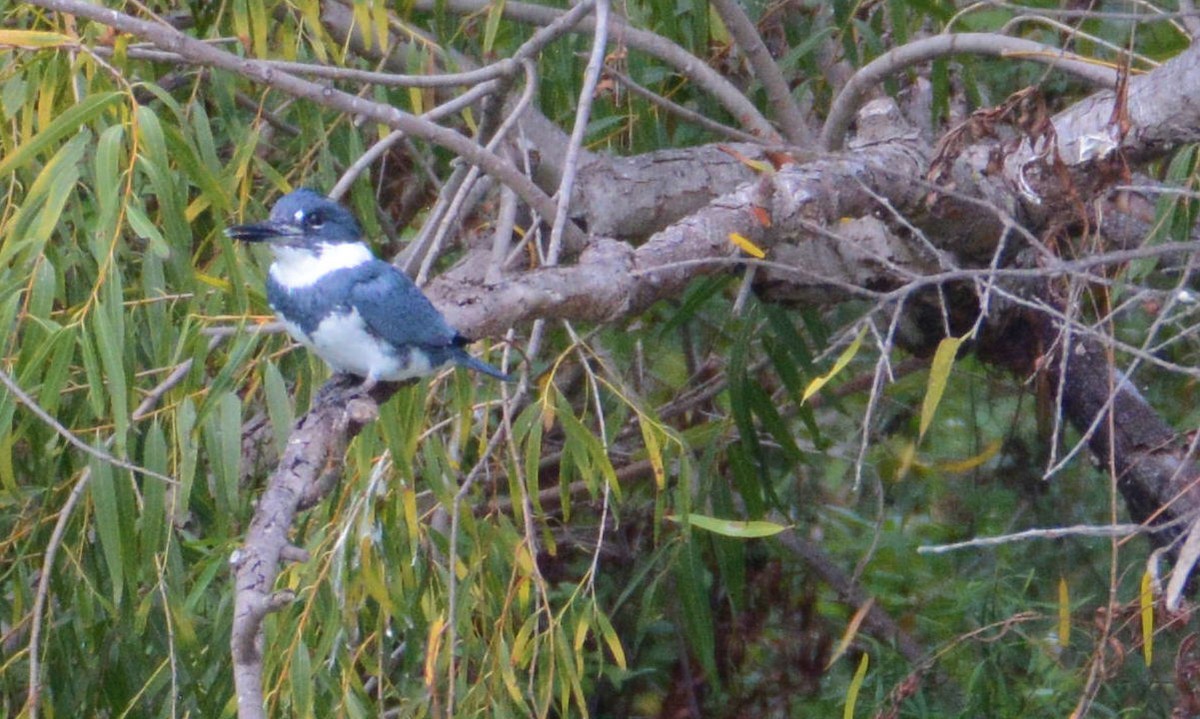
(297, 267)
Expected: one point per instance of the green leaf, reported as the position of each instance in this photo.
(576, 431)
(693, 603)
(109, 337)
(223, 440)
(279, 404)
(154, 507)
(492, 25)
(300, 680)
(106, 166)
(108, 523)
(855, 686)
(738, 529)
(41, 211)
(145, 228)
(64, 124)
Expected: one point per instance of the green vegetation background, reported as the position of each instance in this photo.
(114, 270)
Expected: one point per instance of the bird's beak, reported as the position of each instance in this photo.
(260, 232)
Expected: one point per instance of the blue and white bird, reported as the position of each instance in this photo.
(361, 315)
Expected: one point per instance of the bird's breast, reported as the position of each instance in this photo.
(346, 344)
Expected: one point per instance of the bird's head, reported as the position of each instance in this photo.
(302, 219)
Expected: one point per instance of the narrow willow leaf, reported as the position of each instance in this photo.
(965, 465)
(581, 632)
(108, 523)
(279, 404)
(855, 685)
(433, 650)
(1064, 613)
(362, 19)
(842, 360)
(227, 424)
(1146, 600)
(523, 644)
(186, 456)
(694, 607)
(32, 39)
(907, 460)
(96, 394)
(650, 435)
(109, 338)
(577, 432)
(737, 529)
(771, 420)
(747, 246)
(851, 631)
(8, 478)
(492, 25)
(147, 230)
(155, 162)
(58, 370)
(154, 507)
(300, 681)
(507, 675)
(106, 167)
(939, 373)
(29, 229)
(65, 123)
(609, 635)
(260, 27)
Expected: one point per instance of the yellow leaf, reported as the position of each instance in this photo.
(843, 360)
(747, 246)
(851, 631)
(412, 519)
(510, 679)
(216, 282)
(1064, 613)
(431, 654)
(908, 459)
(855, 685)
(581, 632)
(1146, 598)
(964, 465)
(33, 38)
(939, 372)
(654, 453)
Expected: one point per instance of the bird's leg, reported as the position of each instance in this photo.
(368, 384)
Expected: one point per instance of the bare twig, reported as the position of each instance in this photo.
(591, 77)
(33, 696)
(201, 53)
(1079, 530)
(679, 110)
(726, 93)
(787, 112)
(925, 49)
(31, 404)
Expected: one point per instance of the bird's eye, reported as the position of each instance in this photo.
(314, 220)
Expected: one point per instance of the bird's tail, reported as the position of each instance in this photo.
(463, 359)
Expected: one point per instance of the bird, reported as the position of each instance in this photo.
(361, 315)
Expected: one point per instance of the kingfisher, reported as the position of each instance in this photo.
(362, 315)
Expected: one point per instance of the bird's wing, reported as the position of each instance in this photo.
(397, 311)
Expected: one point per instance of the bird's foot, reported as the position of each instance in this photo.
(368, 384)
